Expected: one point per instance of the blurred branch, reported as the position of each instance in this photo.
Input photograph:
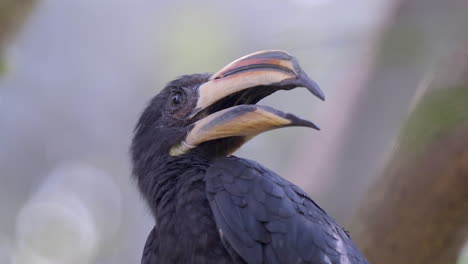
(12, 16)
(417, 212)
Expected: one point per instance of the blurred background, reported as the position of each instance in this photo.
(75, 75)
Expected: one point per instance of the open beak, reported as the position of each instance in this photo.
(226, 102)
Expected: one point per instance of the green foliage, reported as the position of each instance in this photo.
(3, 66)
(439, 112)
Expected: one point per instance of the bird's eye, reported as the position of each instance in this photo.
(177, 98)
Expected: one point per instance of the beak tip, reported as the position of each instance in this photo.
(321, 96)
(296, 121)
(311, 85)
(315, 127)
(315, 89)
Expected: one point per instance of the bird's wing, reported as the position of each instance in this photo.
(151, 248)
(267, 219)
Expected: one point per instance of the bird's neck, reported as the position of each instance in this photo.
(184, 220)
(164, 184)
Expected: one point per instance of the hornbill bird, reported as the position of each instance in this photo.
(213, 207)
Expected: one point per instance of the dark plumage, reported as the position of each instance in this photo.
(211, 207)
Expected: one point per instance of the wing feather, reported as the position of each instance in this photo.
(266, 219)
(150, 251)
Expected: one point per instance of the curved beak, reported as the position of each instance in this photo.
(272, 69)
(256, 75)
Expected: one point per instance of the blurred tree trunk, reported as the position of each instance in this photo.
(417, 34)
(417, 212)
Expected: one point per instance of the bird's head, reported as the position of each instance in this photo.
(212, 115)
